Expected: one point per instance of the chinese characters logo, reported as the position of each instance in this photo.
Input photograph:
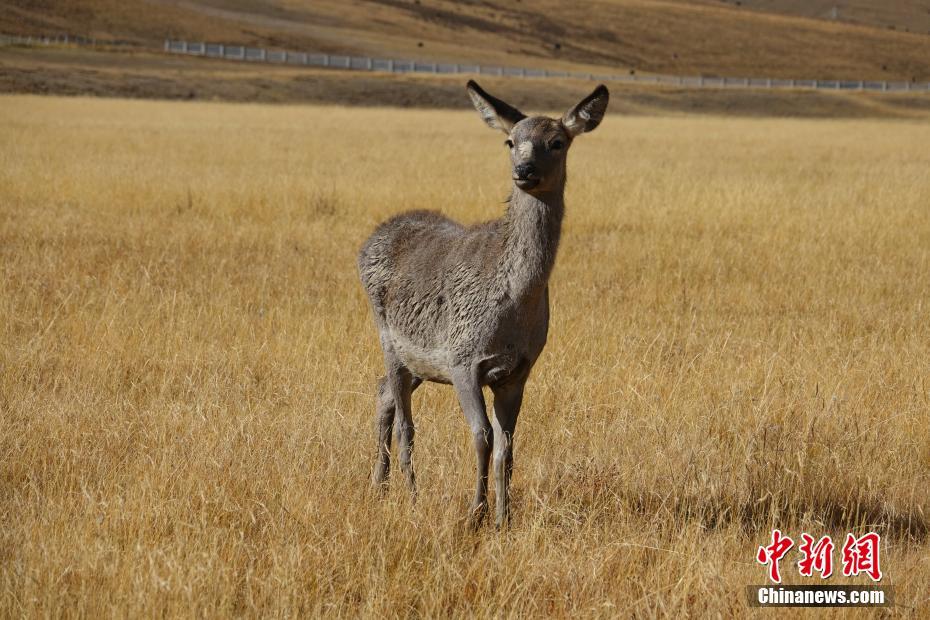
(859, 555)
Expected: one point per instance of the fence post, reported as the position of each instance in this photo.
(369, 64)
(261, 54)
(325, 60)
(184, 46)
(222, 51)
(861, 85)
(700, 80)
(433, 67)
(391, 66)
(167, 45)
(884, 86)
(500, 71)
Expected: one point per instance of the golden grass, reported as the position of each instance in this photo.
(739, 341)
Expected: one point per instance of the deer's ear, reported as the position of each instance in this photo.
(588, 113)
(496, 113)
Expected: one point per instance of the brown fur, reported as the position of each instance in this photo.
(470, 306)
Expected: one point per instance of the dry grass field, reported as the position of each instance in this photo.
(739, 341)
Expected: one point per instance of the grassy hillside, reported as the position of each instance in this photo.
(900, 15)
(739, 341)
(80, 71)
(783, 38)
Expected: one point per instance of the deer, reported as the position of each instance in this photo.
(469, 306)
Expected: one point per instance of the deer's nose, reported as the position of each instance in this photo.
(525, 171)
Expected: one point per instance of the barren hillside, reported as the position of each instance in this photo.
(778, 38)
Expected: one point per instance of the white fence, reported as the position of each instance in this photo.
(59, 39)
(363, 63)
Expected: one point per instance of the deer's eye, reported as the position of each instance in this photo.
(509, 143)
(557, 145)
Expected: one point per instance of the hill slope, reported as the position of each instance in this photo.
(147, 75)
(909, 16)
(777, 38)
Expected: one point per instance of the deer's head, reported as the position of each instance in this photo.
(538, 144)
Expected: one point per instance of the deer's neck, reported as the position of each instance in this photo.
(531, 231)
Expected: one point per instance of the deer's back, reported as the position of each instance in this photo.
(428, 279)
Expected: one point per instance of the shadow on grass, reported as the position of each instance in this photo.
(607, 494)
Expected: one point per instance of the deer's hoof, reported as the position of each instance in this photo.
(477, 515)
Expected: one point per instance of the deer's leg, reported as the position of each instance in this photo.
(507, 401)
(384, 420)
(472, 401)
(400, 383)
